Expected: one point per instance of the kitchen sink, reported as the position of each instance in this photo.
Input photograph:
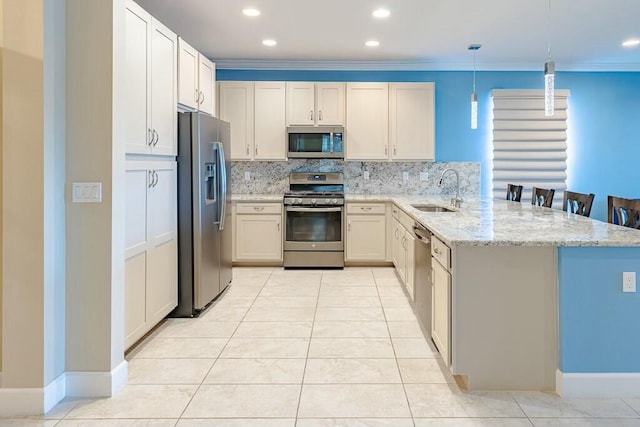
(432, 208)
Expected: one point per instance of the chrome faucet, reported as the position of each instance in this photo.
(456, 200)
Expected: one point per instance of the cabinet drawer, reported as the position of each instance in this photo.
(259, 208)
(406, 221)
(441, 252)
(366, 208)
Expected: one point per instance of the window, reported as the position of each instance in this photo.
(529, 148)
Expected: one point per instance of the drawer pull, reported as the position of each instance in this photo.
(365, 208)
(437, 251)
(258, 208)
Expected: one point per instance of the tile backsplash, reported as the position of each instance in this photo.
(384, 177)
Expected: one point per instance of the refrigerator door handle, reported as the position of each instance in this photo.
(223, 184)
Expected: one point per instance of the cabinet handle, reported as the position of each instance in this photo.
(436, 250)
(311, 115)
(201, 93)
(394, 150)
(155, 173)
(197, 96)
(247, 149)
(320, 115)
(258, 208)
(349, 226)
(151, 178)
(365, 208)
(278, 226)
(256, 149)
(156, 139)
(386, 150)
(149, 137)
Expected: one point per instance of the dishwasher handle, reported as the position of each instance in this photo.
(421, 233)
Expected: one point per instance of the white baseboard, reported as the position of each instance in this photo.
(97, 384)
(601, 385)
(15, 402)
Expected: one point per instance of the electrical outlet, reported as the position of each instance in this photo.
(629, 281)
(424, 176)
(86, 192)
(405, 176)
(365, 174)
(247, 176)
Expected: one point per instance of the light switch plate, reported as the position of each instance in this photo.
(86, 192)
(424, 176)
(405, 176)
(247, 175)
(365, 174)
(629, 281)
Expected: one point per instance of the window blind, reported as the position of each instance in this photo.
(529, 148)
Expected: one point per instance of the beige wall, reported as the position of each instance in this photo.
(23, 193)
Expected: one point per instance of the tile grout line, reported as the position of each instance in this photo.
(406, 396)
(306, 360)
(219, 354)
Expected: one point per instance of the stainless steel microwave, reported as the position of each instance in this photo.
(321, 142)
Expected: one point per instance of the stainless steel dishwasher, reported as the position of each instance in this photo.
(422, 300)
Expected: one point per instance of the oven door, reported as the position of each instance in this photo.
(313, 228)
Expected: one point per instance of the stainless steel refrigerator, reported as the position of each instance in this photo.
(204, 212)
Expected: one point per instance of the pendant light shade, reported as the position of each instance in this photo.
(549, 74)
(474, 95)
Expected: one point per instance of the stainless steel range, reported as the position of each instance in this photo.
(314, 220)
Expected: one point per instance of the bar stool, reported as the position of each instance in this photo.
(542, 197)
(579, 203)
(514, 192)
(625, 212)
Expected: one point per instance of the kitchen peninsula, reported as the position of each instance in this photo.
(536, 295)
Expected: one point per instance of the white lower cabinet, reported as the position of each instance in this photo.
(258, 232)
(366, 232)
(441, 299)
(402, 248)
(151, 276)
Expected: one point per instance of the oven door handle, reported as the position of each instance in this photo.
(297, 209)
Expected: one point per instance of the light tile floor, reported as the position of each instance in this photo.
(285, 348)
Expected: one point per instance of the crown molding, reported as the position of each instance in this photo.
(241, 64)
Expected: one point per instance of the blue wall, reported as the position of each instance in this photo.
(599, 324)
(604, 120)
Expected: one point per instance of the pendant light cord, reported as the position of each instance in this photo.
(549, 29)
(474, 71)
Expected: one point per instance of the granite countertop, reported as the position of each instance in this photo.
(257, 198)
(492, 222)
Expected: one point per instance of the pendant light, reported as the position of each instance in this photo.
(549, 75)
(474, 95)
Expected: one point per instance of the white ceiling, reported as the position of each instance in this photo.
(419, 34)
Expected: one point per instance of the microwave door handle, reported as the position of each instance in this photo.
(331, 142)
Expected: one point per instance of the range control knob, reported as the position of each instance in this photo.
(327, 201)
(313, 201)
(334, 201)
(299, 201)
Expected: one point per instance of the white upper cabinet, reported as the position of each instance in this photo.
(236, 107)
(269, 127)
(196, 80)
(256, 111)
(411, 121)
(315, 104)
(367, 124)
(151, 72)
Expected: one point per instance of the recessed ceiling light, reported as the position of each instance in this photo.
(372, 43)
(381, 13)
(631, 42)
(269, 42)
(251, 12)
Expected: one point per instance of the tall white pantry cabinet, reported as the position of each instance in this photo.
(151, 280)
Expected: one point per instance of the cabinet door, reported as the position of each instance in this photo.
(441, 318)
(135, 274)
(366, 238)
(137, 180)
(270, 134)
(162, 274)
(395, 246)
(300, 103)
(163, 89)
(330, 100)
(367, 135)
(258, 237)
(411, 121)
(137, 56)
(187, 75)
(236, 107)
(206, 79)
